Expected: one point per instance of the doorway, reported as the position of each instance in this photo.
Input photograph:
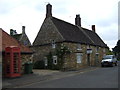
(88, 59)
(96, 60)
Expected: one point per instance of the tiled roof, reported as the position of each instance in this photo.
(70, 32)
(95, 38)
(8, 40)
(74, 33)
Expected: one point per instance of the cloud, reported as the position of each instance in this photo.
(119, 20)
(7, 5)
(109, 33)
(31, 13)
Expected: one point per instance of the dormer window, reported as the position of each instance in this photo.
(79, 47)
(53, 44)
(25, 42)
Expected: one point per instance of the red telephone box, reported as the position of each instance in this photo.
(12, 62)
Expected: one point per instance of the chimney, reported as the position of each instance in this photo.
(13, 32)
(93, 28)
(78, 20)
(23, 29)
(48, 10)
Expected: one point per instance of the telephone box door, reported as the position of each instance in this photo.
(12, 62)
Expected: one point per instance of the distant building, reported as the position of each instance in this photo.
(22, 38)
(85, 47)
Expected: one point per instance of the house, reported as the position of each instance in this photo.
(7, 40)
(67, 46)
(22, 38)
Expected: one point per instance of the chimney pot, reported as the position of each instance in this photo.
(13, 32)
(48, 10)
(93, 28)
(78, 20)
(23, 29)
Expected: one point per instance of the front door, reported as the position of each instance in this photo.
(96, 60)
(88, 59)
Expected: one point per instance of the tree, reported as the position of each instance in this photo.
(116, 50)
(109, 52)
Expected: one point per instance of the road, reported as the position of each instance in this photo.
(106, 77)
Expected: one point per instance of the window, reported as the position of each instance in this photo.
(79, 47)
(45, 61)
(53, 44)
(55, 60)
(79, 57)
(25, 42)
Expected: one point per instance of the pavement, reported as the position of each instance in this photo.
(40, 75)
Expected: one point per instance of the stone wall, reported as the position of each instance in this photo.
(25, 58)
(70, 60)
(25, 40)
(40, 52)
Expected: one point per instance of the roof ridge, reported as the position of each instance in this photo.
(63, 21)
(58, 30)
(86, 34)
(101, 42)
(71, 32)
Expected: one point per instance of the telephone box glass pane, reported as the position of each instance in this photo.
(15, 62)
(8, 62)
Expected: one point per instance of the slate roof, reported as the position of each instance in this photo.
(17, 36)
(95, 38)
(8, 40)
(74, 33)
(70, 32)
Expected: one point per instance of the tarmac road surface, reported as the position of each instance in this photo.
(106, 77)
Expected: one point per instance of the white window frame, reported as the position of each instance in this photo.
(55, 60)
(79, 57)
(53, 44)
(45, 61)
(79, 47)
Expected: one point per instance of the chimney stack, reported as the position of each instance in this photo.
(23, 29)
(13, 32)
(93, 28)
(78, 20)
(48, 10)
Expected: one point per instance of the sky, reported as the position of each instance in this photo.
(31, 13)
(118, 20)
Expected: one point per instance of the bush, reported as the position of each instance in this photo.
(39, 65)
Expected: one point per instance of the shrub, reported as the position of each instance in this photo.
(39, 65)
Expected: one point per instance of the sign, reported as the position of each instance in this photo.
(89, 51)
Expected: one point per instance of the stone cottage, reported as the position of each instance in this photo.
(22, 37)
(7, 40)
(70, 46)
